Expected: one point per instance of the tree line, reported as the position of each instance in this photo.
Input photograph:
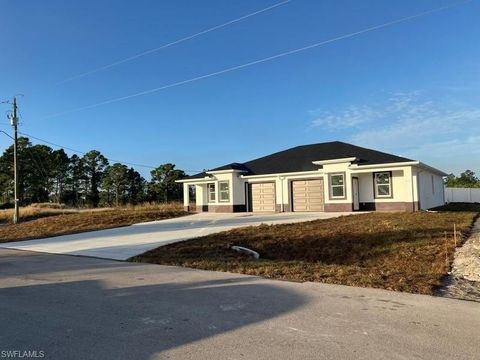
(83, 181)
(467, 179)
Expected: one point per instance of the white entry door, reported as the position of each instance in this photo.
(356, 199)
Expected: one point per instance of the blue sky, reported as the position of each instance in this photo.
(411, 89)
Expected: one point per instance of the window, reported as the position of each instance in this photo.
(224, 191)
(433, 185)
(383, 184)
(337, 186)
(211, 192)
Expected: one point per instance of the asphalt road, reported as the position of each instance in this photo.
(83, 308)
(124, 242)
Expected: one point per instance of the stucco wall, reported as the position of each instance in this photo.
(401, 187)
(405, 182)
(431, 190)
(333, 169)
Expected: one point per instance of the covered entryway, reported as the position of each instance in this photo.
(307, 195)
(262, 197)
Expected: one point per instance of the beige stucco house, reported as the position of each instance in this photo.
(333, 176)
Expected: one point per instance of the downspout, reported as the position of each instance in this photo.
(418, 189)
(282, 209)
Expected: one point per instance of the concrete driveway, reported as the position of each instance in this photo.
(124, 242)
(85, 308)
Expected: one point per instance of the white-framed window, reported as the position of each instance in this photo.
(337, 186)
(383, 184)
(212, 194)
(224, 191)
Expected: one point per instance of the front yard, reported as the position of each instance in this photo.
(39, 223)
(395, 251)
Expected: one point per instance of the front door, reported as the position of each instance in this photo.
(356, 200)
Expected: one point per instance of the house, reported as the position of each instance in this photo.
(332, 176)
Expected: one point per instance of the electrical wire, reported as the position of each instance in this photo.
(273, 57)
(189, 37)
(84, 152)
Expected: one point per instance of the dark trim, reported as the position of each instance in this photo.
(391, 185)
(390, 206)
(344, 185)
(239, 208)
(345, 207)
(224, 208)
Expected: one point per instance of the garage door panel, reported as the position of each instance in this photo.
(263, 197)
(308, 195)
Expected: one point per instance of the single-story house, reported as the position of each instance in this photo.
(332, 176)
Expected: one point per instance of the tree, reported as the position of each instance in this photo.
(135, 186)
(115, 180)
(467, 179)
(60, 165)
(162, 186)
(74, 183)
(38, 173)
(94, 164)
(6, 169)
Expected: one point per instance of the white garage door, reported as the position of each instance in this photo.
(263, 197)
(308, 195)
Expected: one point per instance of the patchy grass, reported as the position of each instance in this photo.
(36, 211)
(395, 251)
(45, 222)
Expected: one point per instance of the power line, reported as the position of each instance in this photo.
(84, 152)
(189, 37)
(273, 57)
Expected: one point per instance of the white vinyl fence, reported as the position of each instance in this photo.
(466, 195)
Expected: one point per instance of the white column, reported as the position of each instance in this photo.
(186, 197)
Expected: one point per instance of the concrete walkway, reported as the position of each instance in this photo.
(84, 308)
(124, 242)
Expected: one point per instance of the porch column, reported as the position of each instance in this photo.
(186, 197)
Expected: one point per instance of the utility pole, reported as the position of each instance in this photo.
(14, 122)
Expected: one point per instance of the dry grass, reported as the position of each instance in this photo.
(39, 222)
(35, 211)
(395, 251)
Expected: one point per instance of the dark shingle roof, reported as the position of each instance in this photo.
(300, 159)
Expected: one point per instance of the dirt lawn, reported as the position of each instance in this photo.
(395, 251)
(48, 222)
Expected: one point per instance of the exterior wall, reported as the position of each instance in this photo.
(403, 191)
(236, 200)
(430, 190)
(334, 205)
(200, 195)
(283, 187)
(410, 189)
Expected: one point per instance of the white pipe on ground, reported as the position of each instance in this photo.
(247, 251)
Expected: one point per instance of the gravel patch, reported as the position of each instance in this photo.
(463, 281)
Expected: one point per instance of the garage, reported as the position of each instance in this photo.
(262, 197)
(308, 195)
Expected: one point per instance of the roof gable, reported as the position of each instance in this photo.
(300, 158)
